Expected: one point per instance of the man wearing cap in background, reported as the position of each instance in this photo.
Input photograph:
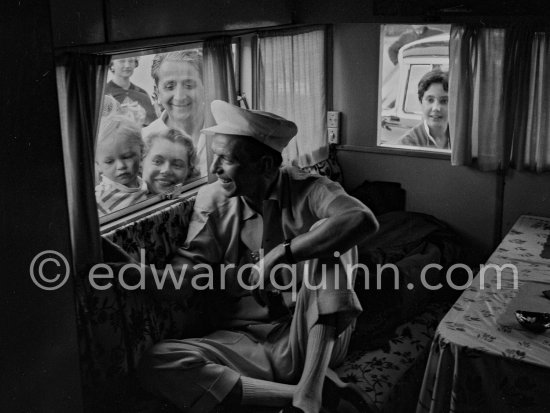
(261, 356)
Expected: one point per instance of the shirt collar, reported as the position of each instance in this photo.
(431, 138)
(247, 211)
(164, 117)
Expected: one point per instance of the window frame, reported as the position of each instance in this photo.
(401, 95)
(135, 211)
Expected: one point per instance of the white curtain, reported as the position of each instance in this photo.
(536, 154)
(218, 74)
(292, 84)
(219, 82)
(476, 88)
(499, 110)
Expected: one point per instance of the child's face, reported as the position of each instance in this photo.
(166, 165)
(118, 160)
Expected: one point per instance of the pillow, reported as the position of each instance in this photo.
(410, 241)
(381, 197)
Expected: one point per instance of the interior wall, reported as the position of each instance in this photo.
(39, 351)
(525, 193)
(461, 196)
(106, 21)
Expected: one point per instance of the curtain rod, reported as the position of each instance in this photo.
(127, 46)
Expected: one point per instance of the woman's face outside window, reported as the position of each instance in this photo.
(180, 90)
(166, 165)
(434, 107)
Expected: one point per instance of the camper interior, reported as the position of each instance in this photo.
(434, 114)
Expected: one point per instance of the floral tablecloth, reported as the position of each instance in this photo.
(480, 360)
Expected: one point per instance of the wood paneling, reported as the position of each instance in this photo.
(77, 22)
(138, 19)
(40, 365)
(525, 193)
(329, 11)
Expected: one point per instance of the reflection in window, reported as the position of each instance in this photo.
(409, 53)
(412, 104)
(149, 140)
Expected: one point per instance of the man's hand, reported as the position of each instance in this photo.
(262, 275)
(257, 280)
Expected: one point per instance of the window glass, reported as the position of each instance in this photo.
(149, 143)
(411, 103)
(414, 68)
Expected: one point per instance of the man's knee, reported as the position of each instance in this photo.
(167, 358)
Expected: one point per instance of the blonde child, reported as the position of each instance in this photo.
(118, 156)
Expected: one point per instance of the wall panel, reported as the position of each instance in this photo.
(463, 197)
(137, 19)
(525, 194)
(77, 22)
(39, 363)
(326, 11)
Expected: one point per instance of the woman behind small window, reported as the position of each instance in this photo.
(433, 94)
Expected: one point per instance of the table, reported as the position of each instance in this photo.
(481, 359)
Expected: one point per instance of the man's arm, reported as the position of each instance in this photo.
(349, 223)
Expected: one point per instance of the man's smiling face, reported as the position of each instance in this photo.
(239, 175)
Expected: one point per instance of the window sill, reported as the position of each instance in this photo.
(156, 203)
(418, 153)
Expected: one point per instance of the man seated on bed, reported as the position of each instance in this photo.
(262, 356)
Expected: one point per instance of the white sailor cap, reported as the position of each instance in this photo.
(267, 128)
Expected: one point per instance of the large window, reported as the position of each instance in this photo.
(149, 146)
(414, 68)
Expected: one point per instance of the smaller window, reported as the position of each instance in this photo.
(414, 61)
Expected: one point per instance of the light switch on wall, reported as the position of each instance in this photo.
(333, 119)
(333, 126)
(333, 136)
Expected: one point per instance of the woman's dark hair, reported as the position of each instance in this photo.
(435, 76)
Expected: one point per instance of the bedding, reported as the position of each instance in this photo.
(410, 241)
